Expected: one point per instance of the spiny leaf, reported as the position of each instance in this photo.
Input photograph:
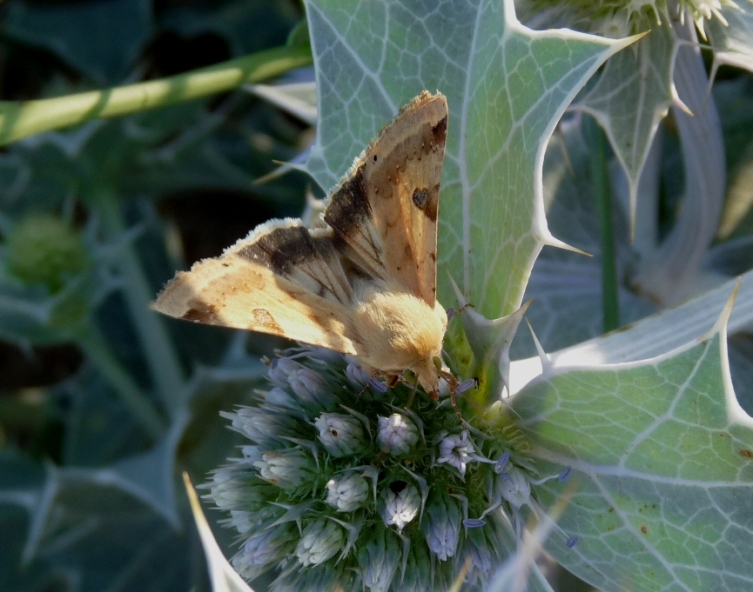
(506, 87)
(661, 454)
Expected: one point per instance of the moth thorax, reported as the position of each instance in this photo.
(397, 331)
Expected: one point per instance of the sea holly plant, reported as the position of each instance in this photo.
(567, 429)
(627, 457)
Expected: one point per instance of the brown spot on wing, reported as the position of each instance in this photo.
(420, 197)
(262, 318)
(201, 312)
(424, 201)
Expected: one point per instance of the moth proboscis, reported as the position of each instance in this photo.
(363, 280)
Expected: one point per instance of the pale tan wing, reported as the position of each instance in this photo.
(280, 280)
(385, 210)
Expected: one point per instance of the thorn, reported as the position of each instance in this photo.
(545, 362)
(677, 102)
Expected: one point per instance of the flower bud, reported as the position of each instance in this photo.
(264, 428)
(347, 493)
(400, 504)
(280, 369)
(286, 468)
(234, 489)
(396, 434)
(341, 435)
(311, 388)
(320, 541)
(261, 550)
(355, 374)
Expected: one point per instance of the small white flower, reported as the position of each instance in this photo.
(441, 526)
(456, 451)
(396, 434)
(310, 387)
(280, 398)
(251, 453)
(379, 559)
(280, 369)
(242, 520)
(481, 562)
(286, 468)
(263, 428)
(356, 375)
(513, 485)
(261, 550)
(347, 493)
(265, 546)
(341, 435)
(320, 541)
(400, 504)
(227, 491)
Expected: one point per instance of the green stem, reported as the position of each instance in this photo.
(21, 119)
(100, 354)
(601, 189)
(163, 362)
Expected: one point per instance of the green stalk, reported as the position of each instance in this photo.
(161, 357)
(130, 393)
(21, 119)
(601, 189)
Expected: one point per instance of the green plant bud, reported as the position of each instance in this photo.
(44, 249)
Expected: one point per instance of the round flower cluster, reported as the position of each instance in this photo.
(343, 487)
(44, 249)
(620, 18)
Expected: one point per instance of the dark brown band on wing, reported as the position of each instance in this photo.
(282, 249)
(349, 205)
(439, 131)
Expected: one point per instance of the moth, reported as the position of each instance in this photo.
(363, 279)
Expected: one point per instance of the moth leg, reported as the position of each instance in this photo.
(413, 394)
(452, 313)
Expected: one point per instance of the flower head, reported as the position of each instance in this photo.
(44, 249)
(341, 487)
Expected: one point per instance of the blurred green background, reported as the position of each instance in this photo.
(102, 403)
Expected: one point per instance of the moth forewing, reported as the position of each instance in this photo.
(246, 288)
(386, 207)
